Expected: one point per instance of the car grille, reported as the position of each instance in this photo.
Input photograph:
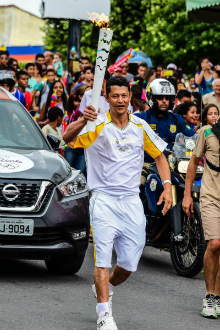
(29, 193)
(41, 237)
(49, 192)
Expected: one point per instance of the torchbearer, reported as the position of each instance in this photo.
(114, 159)
(105, 39)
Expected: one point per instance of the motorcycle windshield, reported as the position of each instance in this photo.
(184, 146)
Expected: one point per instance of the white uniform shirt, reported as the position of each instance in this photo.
(114, 156)
(86, 101)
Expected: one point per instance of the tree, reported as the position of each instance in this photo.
(168, 36)
(56, 35)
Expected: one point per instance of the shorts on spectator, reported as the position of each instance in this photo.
(210, 213)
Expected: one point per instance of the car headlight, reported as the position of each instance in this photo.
(182, 166)
(75, 184)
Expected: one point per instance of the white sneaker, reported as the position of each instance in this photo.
(109, 301)
(217, 305)
(208, 308)
(106, 322)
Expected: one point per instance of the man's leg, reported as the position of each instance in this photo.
(102, 280)
(118, 276)
(210, 213)
(211, 265)
(101, 277)
(105, 320)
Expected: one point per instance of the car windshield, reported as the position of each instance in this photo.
(183, 146)
(17, 130)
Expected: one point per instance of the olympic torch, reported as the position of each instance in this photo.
(104, 45)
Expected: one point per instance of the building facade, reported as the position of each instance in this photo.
(20, 28)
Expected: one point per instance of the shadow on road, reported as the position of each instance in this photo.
(31, 270)
(157, 261)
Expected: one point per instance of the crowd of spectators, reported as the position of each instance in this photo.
(56, 97)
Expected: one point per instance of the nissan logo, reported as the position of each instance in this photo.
(10, 192)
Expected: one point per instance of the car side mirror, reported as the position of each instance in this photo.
(54, 141)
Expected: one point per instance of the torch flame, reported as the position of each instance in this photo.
(101, 20)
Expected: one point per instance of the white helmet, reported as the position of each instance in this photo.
(160, 87)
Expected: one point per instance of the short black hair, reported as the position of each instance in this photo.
(50, 70)
(116, 81)
(4, 52)
(21, 73)
(54, 113)
(9, 81)
(185, 107)
(86, 69)
(28, 65)
(183, 93)
(85, 58)
(142, 64)
(137, 91)
(39, 55)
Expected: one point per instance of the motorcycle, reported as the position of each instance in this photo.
(181, 235)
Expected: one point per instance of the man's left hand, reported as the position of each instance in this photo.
(166, 197)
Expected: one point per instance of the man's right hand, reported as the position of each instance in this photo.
(188, 205)
(90, 113)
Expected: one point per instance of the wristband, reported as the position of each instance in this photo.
(166, 181)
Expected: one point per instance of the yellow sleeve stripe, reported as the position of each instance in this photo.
(85, 140)
(149, 147)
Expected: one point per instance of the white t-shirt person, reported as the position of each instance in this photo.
(86, 101)
(115, 156)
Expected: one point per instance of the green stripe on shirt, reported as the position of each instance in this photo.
(207, 132)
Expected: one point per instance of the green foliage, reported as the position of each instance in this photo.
(56, 36)
(158, 27)
(168, 36)
(89, 39)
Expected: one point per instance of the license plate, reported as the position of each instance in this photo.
(16, 227)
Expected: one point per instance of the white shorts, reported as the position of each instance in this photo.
(118, 221)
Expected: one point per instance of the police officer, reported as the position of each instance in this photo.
(161, 98)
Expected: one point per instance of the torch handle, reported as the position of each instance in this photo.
(105, 39)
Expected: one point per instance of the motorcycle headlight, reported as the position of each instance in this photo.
(75, 184)
(200, 169)
(182, 166)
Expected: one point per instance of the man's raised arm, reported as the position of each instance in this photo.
(76, 127)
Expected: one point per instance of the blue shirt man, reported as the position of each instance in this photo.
(20, 96)
(161, 97)
(167, 126)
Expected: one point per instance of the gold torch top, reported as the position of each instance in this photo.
(101, 20)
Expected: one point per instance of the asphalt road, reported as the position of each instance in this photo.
(153, 298)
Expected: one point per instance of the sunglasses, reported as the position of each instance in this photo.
(124, 67)
(162, 97)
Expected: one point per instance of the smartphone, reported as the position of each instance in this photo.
(168, 73)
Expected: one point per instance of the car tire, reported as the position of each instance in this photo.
(68, 265)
